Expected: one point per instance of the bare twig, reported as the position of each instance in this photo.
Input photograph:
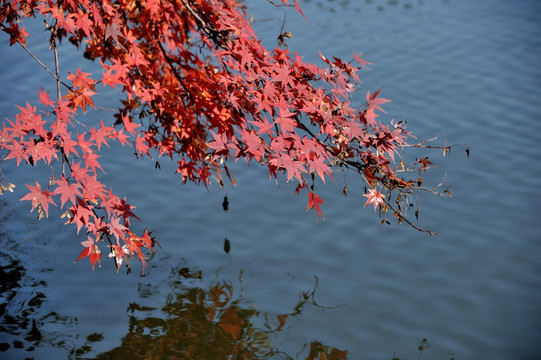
(56, 66)
(39, 62)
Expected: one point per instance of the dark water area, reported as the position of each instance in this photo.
(289, 287)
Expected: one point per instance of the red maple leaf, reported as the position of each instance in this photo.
(374, 102)
(81, 79)
(82, 214)
(119, 253)
(317, 165)
(265, 127)
(66, 190)
(83, 144)
(91, 161)
(63, 111)
(44, 98)
(30, 121)
(83, 22)
(92, 251)
(313, 202)
(110, 79)
(254, 144)
(40, 199)
(16, 151)
(124, 210)
(219, 144)
(93, 189)
(129, 125)
(16, 34)
(187, 170)
(116, 228)
(148, 242)
(293, 167)
(113, 30)
(81, 98)
(360, 61)
(134, 244)
(121, 137)
(286, 120)
(375, 198)
(283, 75)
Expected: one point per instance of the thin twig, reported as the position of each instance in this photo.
(216, 35)
(402, 217)
(56, 66)
(41, 63)
(175, 72)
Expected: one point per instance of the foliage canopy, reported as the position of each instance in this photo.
(199, 88)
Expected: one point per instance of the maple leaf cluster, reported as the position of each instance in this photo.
(201, 89)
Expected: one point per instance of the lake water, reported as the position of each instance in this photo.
(291, 287)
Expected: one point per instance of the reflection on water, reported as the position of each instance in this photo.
(211, 322)
(190, 317)
(199, 320)
(21, 320)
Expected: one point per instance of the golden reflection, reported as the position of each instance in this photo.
(211, 322)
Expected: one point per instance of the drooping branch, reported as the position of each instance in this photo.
(206, 91)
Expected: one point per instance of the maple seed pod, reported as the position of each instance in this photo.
(227, 245)
(225, 204)
(287, 35)
(283, 36)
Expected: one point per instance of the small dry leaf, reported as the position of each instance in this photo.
(445, 151)
(41, 213)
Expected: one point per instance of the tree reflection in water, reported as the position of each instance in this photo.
(210, 323)
(21, 318)
(198, 321)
